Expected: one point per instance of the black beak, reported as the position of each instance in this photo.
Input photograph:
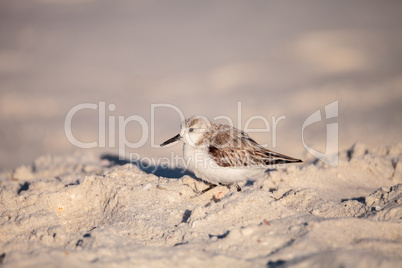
(175, 138)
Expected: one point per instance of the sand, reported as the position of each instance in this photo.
(231, 59)
(78, 210)
(278, 59)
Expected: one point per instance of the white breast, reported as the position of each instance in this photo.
(205, 168)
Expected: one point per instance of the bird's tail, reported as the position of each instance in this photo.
(277, 158)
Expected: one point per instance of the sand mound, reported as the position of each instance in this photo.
(71, 211)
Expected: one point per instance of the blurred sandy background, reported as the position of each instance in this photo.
(277, 58)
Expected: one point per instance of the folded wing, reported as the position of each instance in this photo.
(234, 148)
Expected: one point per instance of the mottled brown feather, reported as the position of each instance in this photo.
(231, 147)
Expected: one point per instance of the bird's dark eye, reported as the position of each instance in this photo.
(191, 129)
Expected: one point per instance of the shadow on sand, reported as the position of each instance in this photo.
(171, 173)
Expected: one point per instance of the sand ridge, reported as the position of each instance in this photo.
(73, 211)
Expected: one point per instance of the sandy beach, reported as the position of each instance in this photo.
(70, 211)
(90, 89)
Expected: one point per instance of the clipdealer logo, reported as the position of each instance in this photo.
(330, 156)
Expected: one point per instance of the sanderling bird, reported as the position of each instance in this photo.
(223, 155)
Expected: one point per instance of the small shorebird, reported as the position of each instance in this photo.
(221, 154)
